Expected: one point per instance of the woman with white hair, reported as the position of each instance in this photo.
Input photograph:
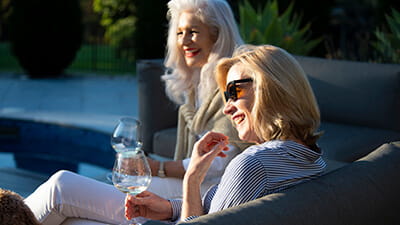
(200, 33)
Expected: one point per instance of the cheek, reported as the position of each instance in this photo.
(249, 115)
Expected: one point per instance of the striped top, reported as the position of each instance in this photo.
(258, 171)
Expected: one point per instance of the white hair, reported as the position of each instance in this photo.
(218, 16)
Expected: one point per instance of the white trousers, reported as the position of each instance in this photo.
(69, 195)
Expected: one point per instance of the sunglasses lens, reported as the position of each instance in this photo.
(226, 94)
(230, 92)
(231, 89)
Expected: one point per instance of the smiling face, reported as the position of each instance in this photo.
(241, 108)
(194, 40)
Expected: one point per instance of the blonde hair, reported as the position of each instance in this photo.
(216, 14)
(285, 106)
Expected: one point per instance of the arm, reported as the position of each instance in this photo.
(171, 168)
(204, 152)
(178, 168)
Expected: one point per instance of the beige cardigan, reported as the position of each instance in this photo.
(209, 117)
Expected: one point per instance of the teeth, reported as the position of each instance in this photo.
(191, 51)
(238, 120)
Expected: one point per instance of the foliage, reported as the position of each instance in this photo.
(388, 43)
(94, 31)
(151, 29)
(135, 27)
(266, 26)
(45, 35)
(118, 18)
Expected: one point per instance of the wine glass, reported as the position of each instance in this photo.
(125, 136)
(131, 174)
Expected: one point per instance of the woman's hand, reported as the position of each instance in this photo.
(204, 152)
(211, 145)
(149, 205)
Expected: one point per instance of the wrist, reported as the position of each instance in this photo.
(192, 178)
(161, 169)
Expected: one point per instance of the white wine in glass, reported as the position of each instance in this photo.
(131, 174)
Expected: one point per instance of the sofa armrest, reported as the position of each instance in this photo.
(156, 111)
(364, 192)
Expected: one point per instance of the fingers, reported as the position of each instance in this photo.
(222, 154)
(132, 211)
(211, 139)
(133, 204)
(214, 137)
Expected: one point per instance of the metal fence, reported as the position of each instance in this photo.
(91, 58)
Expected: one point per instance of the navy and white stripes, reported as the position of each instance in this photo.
(261, 170)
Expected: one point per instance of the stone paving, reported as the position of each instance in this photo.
(89, 101)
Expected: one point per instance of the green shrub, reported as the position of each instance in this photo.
(266, 26)
(119, 20)
(387, 45)
(45, 35)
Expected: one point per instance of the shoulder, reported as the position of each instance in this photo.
(248, 161)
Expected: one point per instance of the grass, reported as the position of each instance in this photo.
(8, 62)
(100, 59)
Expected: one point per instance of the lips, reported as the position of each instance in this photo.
(238, 119)
(191, 52)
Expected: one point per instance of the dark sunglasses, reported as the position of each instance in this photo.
(231, 88)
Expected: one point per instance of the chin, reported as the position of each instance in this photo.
(243, 137)
(192, 63)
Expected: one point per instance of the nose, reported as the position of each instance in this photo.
(186, 38)
(229, 108)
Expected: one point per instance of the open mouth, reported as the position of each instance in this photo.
(191, 52)
(238, 119)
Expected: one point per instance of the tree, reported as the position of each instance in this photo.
(45, 35)
(119, 20)
(136, 28)
(151, 29)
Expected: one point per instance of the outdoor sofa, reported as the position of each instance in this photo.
(360, 109)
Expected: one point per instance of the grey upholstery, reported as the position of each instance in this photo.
(365, 192)
(347, 143)
(164, 142)
(358, 93)
(360, 110)
(156, 112)
(359, 103)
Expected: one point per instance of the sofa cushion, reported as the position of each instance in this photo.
(357, 93)
(78, 221)
(164, 142)
(156, 111)
(347, 143)
(364, 192)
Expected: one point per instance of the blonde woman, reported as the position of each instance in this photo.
(271, 103)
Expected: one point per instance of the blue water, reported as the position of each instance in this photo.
(7, 161)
